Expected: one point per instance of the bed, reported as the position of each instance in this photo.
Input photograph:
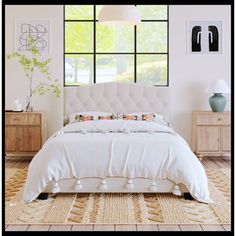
(117, 138)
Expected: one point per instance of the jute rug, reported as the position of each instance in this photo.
(118, 208)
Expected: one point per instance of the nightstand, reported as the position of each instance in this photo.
(24, 133)
(211, 133)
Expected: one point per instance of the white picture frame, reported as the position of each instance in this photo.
(204, 37)
(39, 29)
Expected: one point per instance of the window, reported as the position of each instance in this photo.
(95, 53)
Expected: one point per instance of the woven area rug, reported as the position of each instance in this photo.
(117, 208)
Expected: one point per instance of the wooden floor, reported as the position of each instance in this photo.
(208, 162)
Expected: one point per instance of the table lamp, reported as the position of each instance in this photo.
(217, 101)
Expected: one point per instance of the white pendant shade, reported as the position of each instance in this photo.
(217, 86)
(119, 15)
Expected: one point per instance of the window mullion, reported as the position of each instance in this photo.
(64, 48)
(168, 45)
(94, 44)
(135, 54)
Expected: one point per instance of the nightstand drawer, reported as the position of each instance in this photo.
(213, 119)
(23, 119)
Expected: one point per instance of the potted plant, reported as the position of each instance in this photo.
(32, 62)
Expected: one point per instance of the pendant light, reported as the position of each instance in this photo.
(119, 15)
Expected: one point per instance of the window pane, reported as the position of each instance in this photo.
(114, 39)
(153, 12)
(152, 69)
(152, 37)
(80, 12)
(114, 68)
(78, 69)
(79, 37)
(98, 8)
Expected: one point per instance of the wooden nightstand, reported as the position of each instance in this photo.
(24, 133)
(211, 133)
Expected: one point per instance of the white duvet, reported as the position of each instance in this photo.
(106, 148)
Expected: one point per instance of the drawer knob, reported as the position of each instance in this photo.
(219, 119)
(16, 119)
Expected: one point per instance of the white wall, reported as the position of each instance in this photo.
(190, 74)
(17, 85)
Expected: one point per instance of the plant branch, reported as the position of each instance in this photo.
(42, 83)
(29, 65)
(31, 80)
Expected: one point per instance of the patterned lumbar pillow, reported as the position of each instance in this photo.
(105, 117)
(81, 118)
(135, 116)
(138, 116)
(118, 116)
(130, 117)
(141, 116)
(75, 116)
(148, 117)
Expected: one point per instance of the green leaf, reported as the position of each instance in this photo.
(29, 64)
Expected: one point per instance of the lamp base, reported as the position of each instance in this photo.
(217, 102)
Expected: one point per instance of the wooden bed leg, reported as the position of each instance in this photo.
(188, 196)
(200, 157)
(43, 196)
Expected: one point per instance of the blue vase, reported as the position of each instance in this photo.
(217, 102)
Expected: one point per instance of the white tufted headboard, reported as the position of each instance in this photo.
(117, 97)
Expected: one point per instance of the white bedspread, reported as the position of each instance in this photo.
(116, 148)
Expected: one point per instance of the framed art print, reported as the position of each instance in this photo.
(37, 29)
(204, 37)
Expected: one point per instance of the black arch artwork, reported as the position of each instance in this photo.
(196, 39)
(205, 38)
(37, 32)
(213, 37)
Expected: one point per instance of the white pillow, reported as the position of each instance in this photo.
(95, 114)
(157, 117)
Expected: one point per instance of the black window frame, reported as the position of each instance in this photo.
(135, 53)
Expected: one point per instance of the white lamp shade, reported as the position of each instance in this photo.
(119, 15)
(217, 86)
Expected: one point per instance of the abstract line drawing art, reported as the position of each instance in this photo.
(37, 30)
(205, 37)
